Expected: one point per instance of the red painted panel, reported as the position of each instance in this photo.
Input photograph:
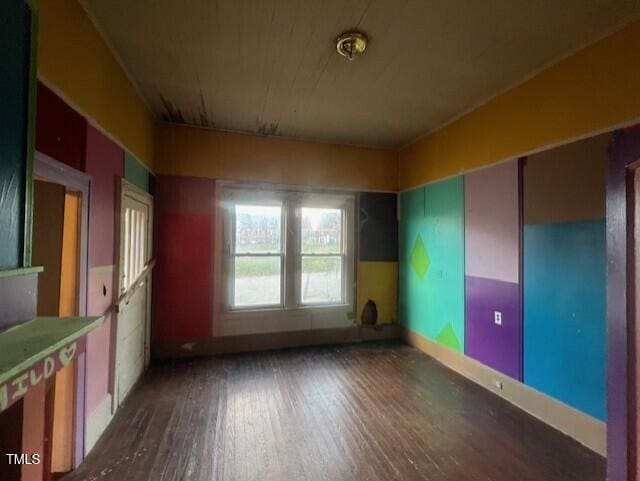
(105, 164)
(183, 288)
(183, 277)
(33, 430)
(184, 194)
(11, 441)
(60, 130)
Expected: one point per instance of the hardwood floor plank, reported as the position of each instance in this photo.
(371, 412)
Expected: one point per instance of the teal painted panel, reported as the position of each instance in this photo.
(15, 40)
(565, 313)
(431, 275)
(135, 172)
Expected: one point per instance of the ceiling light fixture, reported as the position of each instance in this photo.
(351, 44)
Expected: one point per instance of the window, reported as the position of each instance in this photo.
(135, 249)
(322, 256)
(288, 250)
(257, 255)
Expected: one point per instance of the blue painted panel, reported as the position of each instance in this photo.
(431, 297)
(564, 312)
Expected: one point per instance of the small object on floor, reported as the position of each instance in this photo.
(369, 314)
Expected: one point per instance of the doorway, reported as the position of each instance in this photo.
(134, 308)
(60, 226)
(634, 365)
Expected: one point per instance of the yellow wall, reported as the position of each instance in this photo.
(76, 63)
(593, 90)
(222, 155)
(378, 281)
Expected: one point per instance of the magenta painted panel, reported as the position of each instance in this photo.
(492, 223)
(105, 164)
(99, 341)
(60, 130)
(499, 346)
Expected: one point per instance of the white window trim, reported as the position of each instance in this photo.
(291, 314)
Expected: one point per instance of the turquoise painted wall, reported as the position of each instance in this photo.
(135, 172)
(431, 296)
(15, 48)
(563, 336)
(564, 312)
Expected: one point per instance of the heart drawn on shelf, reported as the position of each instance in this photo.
(67, 353)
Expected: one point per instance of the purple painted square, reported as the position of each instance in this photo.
(497, 346)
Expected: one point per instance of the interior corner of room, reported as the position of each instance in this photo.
(309, 253)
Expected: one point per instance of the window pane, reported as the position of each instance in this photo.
(258, 229)
(321, 231)
(257, 281)
(321, 280)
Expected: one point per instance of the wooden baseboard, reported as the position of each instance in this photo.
(277, 340)
(97, 422)
(580, 426)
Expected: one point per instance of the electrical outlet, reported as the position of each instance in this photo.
(497, 318)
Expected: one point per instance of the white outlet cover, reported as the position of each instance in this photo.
(497, 318)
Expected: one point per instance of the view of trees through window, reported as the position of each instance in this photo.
(321, 266)
(258, 255)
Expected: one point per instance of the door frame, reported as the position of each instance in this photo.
(51, 170)
(132, 190)
(624, 157)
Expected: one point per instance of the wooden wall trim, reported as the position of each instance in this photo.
(274, 340)
(583, 428)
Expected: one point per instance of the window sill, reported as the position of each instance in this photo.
(239, 322)
(319, 307)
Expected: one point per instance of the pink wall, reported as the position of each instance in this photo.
(104, 162)
(492, 220)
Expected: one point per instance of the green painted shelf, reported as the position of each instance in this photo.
(23, 346)
(23, 271)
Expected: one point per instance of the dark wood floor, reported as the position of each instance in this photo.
(357, 412)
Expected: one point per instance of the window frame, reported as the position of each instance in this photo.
(250, 198)
(291, 202)
(325, 202)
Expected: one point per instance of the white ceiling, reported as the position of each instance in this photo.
(270, 66)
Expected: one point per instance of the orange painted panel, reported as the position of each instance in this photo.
(70, 249)
(62, 436)
(197, 152)
(64, 391)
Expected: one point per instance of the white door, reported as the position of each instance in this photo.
(133, 329)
